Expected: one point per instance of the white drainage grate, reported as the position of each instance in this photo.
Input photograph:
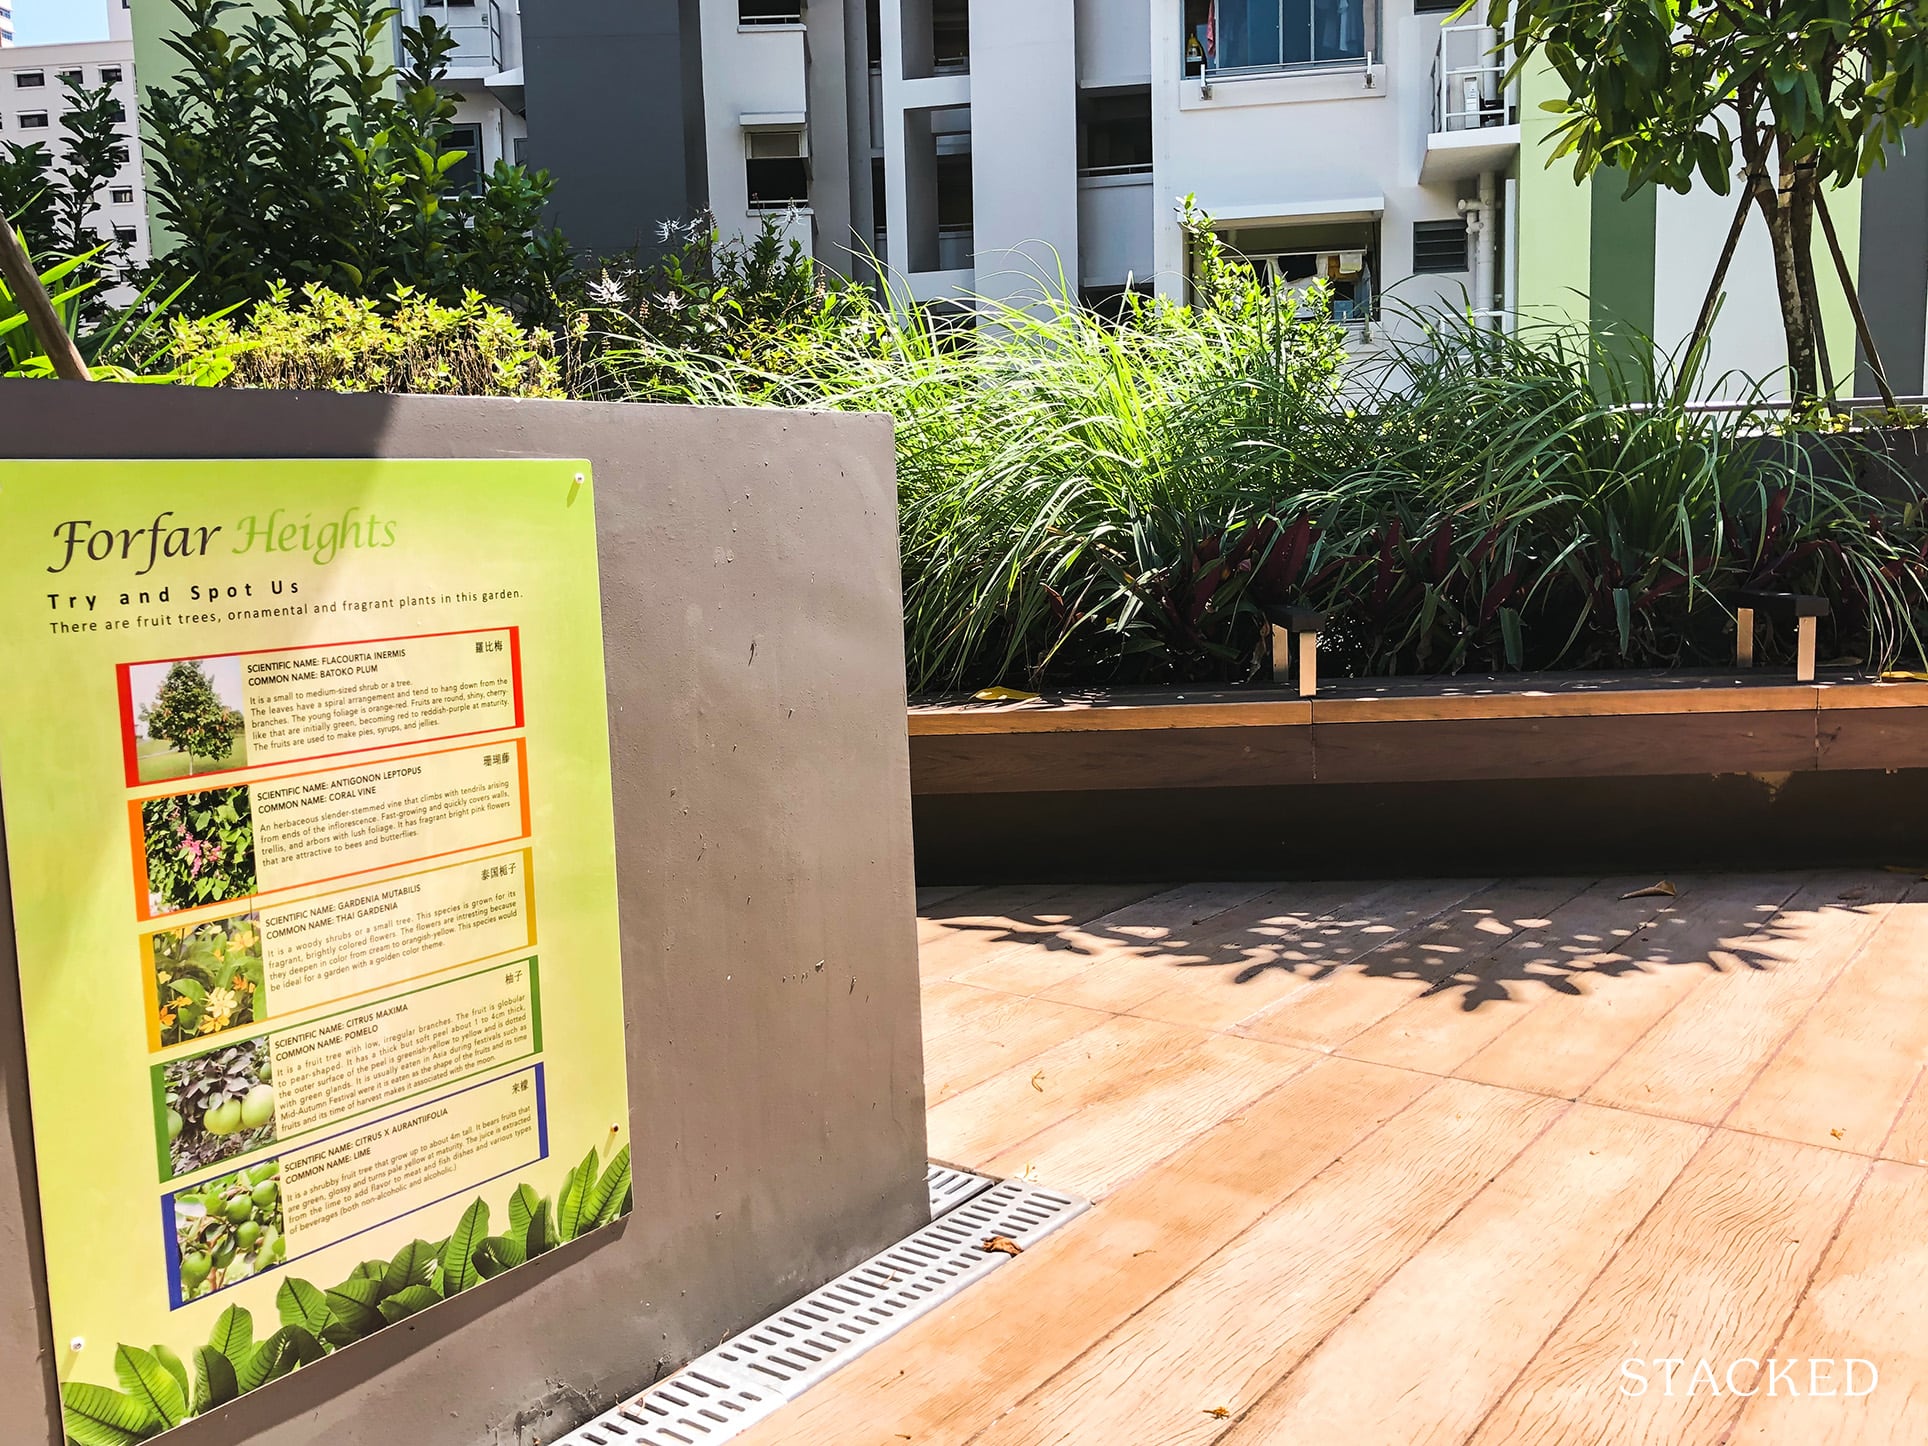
(950, 1187)
(689, 1408)
(749, 1376)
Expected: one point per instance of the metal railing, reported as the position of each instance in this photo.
(1469, 80)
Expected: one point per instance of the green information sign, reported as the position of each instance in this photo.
(305, 775)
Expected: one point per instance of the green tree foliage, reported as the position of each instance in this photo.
(290, 151)
(188, 715)
(1809, 94)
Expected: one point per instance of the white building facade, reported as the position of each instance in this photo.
(484, 78)
(34, 96)
(1016, 143)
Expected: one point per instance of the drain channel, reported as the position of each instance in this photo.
(750, 1375)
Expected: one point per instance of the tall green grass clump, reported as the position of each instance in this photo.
(1092, 501)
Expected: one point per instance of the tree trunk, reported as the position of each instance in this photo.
(1777, 209)
(1801, 228)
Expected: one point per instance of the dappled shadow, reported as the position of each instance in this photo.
(1484, 942)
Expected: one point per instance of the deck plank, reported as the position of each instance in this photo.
(1144, 1119)
(1844, 1074)
(1229, 1331)
(1285, 953)
(1714, 1272)
(1866, 1302)
(1345, 1002)
(1589, 935)
(1286, 922)
(1458, 1321)
(1153, 925)
(986, 923)
(1697, 1062)
(947, 1376)
(1562, 1044)
(1015, 1104)
(971, 1034)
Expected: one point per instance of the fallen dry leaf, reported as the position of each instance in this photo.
(1037, 1081)
(1218, 1411)
(1001, 1245)
(1838, 1134)
(1003, 695)
(1661, 890)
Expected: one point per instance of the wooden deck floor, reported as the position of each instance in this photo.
(1426, 1162)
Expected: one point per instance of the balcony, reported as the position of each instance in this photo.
(475, 26)
(1236, 39)
(1476, 114)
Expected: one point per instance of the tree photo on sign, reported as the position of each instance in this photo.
(1795, 97)
(188, 717)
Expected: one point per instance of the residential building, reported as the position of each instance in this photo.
(996, 146)
(34, 96)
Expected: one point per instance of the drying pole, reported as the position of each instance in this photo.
(24, 282)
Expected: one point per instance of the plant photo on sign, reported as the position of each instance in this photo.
(159, 1388)
(228, 1229)
(187, 717)
(219, 1104)
(200, 848)
(208, 977)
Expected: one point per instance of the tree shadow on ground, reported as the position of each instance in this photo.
(1486, 941)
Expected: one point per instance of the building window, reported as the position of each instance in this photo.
(465, 174)
(29, 79)
(1252, 35)
(110, 75)
(1439, 246)
(121, 195)
(1435, 7)
(126, 235)
(769, 12)
(519, 150)
(70, 77)
(116, 111)
(776, 169)
(33, 120)
(1343, 254)
(1114, 132)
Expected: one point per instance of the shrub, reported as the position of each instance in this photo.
(1085, 501)
(289, 150)
(329, 342)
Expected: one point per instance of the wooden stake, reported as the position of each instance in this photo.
(1308, 664)
(24, 282)
(1805, 630)
(1744, 637)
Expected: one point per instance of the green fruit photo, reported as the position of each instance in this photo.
(228, 1229)
(216, 1105)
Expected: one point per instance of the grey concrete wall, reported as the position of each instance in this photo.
(1892, 273)
(614, 91)
(756, 708)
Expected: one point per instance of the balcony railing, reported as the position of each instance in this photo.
(1257, 37)
(476, 28)
(1469, 80)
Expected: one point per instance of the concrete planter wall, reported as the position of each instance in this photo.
(756, 707)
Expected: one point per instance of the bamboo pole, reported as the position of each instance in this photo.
(24, 282)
